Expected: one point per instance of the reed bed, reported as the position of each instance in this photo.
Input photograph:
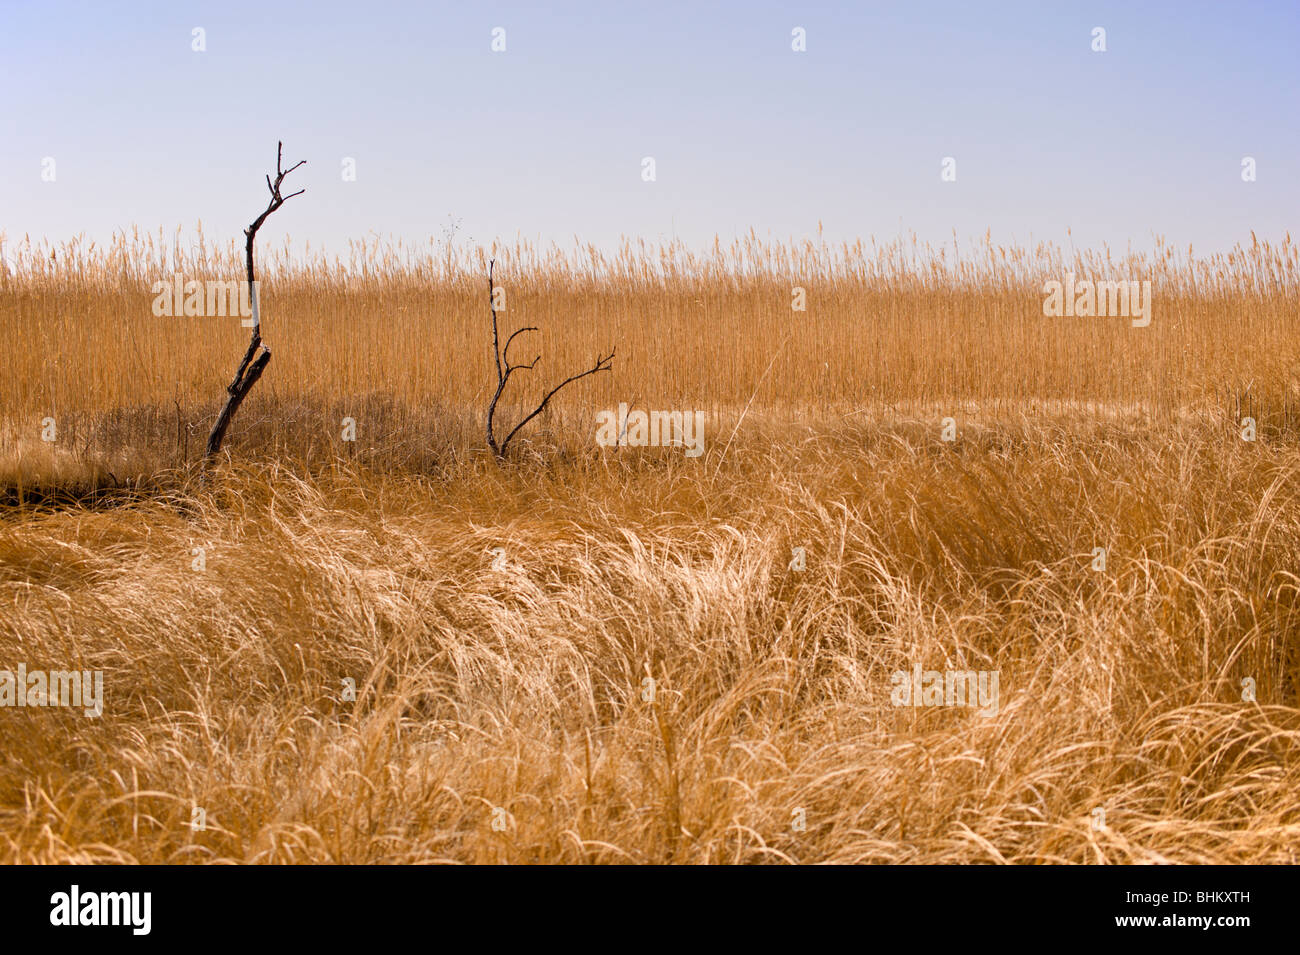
(401, 650)
(885, 325)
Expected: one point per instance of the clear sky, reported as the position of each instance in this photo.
(546, 139)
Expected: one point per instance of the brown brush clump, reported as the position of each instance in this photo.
(398, 650)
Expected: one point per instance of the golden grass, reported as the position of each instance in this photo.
(521, 687)
(884, 325)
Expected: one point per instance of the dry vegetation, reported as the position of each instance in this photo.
(519, 684)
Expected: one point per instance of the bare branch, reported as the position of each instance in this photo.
(602, 364)
(501, 356)
(505, 352)
(496, 347)
(253, 364)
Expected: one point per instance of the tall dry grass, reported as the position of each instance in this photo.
(894, 326)
(522, 688)
(515, 693)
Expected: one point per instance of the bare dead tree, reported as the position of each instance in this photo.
(504, 370)
(253, 364)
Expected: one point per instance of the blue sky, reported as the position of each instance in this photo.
(545, 140)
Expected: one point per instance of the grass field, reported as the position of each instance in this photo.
(397, 649)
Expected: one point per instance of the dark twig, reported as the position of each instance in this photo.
(504, 370)
(253, 364)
